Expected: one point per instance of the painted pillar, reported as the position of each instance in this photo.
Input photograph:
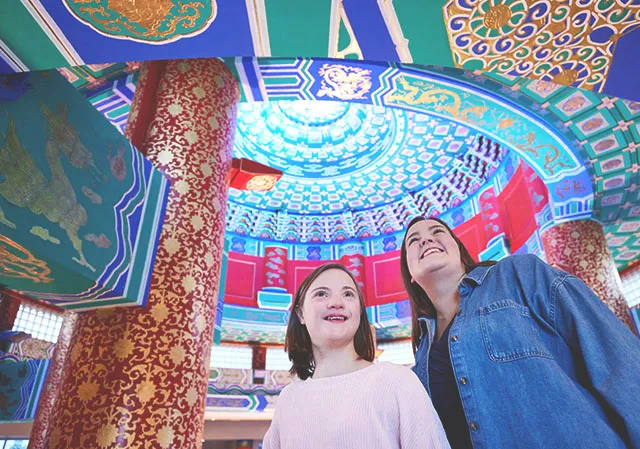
(137, 378)
(580, 248)
(259, 363)
(275, 268)
(217, 328)
(351, 255)
(47, 405)
(273, 294)
(494, 231)
(538, 191)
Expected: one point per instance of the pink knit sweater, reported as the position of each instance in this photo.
(383, 406)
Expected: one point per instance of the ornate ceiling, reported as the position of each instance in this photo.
(600, 133)
(348, 162)
(591, 44)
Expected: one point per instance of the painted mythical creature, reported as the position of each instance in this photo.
(552, 161)
(437, 99)
(26, 186)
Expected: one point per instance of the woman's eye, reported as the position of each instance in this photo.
(437, 231)
(413, 240)
(350, 295)
(320, 294)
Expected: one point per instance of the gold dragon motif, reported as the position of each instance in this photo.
(422, 93)
(26, 186)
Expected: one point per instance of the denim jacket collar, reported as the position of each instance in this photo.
(477, 275)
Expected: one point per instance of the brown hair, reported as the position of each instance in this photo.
(298, 341)
(421, 304)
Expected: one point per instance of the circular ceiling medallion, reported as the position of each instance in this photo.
(341, 157)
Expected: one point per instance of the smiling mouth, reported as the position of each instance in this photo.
(430, 251)
(336, 318)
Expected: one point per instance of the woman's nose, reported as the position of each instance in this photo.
(336, 302)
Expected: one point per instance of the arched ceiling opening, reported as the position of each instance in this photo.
(582, 144)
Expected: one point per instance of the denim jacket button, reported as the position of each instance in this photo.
(463, 380)
(473, 426)
(454, 338)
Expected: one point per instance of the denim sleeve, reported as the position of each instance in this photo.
(609, 350)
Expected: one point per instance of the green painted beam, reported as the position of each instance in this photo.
(290, 35)
(25, 38)
(423, 25)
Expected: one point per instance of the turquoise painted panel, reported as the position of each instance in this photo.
(22, 384)
(80, 209)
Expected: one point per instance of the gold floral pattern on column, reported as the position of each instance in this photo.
(137, 378)
(580, 248)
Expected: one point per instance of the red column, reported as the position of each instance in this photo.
(275, 267)
(580, 248)
(352, 257)
(47, 402)
(490, 211)
(259, 363)
(137, 378)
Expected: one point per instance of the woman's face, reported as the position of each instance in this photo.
(331, 310)
(431, 250)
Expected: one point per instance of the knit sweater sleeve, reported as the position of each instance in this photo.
(419, 424)
(271, 439)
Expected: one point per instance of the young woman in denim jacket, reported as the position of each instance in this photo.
(517, 354)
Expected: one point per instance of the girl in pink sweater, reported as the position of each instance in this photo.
(343, 399)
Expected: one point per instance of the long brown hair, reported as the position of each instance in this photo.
(298, 341)
(421, 304)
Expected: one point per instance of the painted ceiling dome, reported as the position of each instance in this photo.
(350, 159)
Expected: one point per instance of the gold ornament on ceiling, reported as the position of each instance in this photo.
(555, 41)
(151, 21)
(497, 17)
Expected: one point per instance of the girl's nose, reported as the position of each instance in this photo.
(336, 302)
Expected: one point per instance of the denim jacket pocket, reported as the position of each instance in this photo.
(509, 332)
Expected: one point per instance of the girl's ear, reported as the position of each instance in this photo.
(300, 317)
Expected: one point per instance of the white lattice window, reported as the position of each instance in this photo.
(39, 323)
(229, 356)
(399, 352)
(631, 287)
(277, 359)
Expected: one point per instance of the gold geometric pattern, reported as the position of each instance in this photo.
(567, 42)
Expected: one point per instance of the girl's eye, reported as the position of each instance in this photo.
(320, 294)
(412, 240)
(437, 231)
(349, 294)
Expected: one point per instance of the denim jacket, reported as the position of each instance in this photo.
(541, 362)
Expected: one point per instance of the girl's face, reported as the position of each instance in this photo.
(431, 250)
(331, 310)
